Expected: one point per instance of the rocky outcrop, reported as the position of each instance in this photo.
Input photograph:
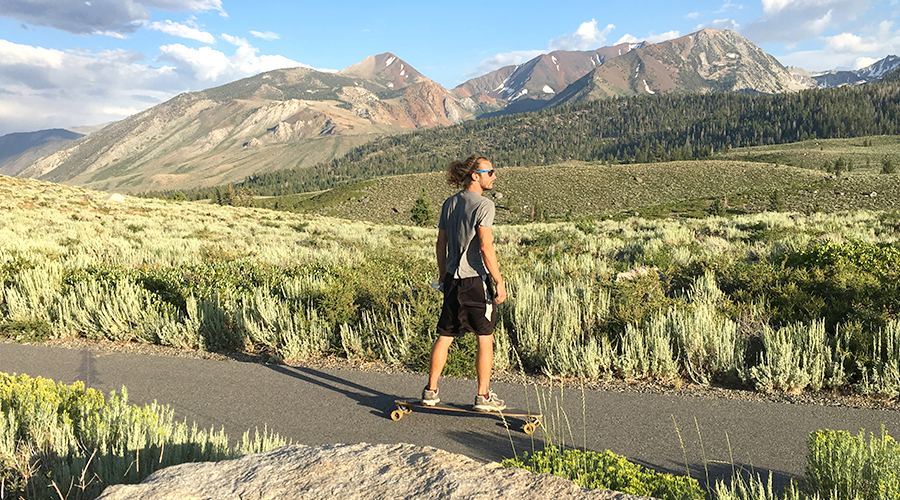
(353, 472)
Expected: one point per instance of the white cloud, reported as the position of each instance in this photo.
(863, 62)
(183, 31)
(775, 6)
(692, 15)
(185, 5)
(204, 64)
(719, 24)
(505, 59)
(848, 42)
(111, 34)
(266, 35)
(106, 17)
(792, 21)
(209, 66)
(78, 16)
(12, 54)
(817, 60)
(848, 50)
(586, 37)
(235, 40)
(820, 60)
(651, 38)
(728, 5)
(43, 88)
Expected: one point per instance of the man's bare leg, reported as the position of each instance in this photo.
(484, 361)
(438, 359)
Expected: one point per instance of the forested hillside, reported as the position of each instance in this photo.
(637, 129)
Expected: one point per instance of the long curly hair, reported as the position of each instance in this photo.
(459, 172)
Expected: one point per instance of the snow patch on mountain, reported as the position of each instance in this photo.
(548, 90)
(390, 61)
(880, 68)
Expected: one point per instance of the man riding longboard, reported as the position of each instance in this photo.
(468, 271)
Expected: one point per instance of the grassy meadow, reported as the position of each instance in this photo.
(862, 154)
(787, 177)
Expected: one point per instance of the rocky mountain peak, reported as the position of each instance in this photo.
(539, 79)
(387, 69)
(705, 61)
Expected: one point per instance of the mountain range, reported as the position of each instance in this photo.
(826, 79)
(297, 118)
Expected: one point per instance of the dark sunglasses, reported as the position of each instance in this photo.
(489, 172)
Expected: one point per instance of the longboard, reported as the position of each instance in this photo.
(404, 406)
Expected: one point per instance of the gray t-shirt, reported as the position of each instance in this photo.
(461, 215)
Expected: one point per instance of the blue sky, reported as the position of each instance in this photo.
(66, 63)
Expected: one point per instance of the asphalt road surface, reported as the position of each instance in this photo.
(328, 406)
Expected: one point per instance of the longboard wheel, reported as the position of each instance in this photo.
(529, 428)
(397, 414)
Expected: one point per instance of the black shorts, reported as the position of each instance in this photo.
(468, 307)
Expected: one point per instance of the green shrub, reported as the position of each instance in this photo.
(636, 300)
(558, 329)
(881, 372)
(794, 357)
(421, 212)
(34, 330)
(752, 487)
(608, 471)
(11, 267)
(646, 350)
(882, 259)
(67, 437)
(842, 466)
(708, 343)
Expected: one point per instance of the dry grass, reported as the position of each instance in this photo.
(573, 190)
(864, 153)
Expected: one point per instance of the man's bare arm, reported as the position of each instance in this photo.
(486, 236)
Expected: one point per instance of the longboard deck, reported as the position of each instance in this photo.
(404, 406)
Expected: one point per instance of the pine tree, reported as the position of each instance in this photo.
(421, 211)
(776, 201)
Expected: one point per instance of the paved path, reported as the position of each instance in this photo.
(324, 406)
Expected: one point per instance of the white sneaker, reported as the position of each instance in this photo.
(490, 403)
(429, 397)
